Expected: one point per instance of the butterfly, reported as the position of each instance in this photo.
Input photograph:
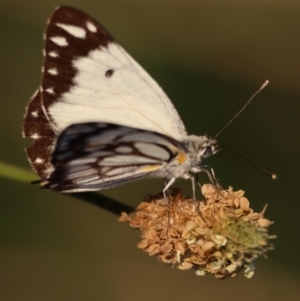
(98, 120)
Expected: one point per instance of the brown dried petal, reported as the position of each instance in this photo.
(153, 249)
(244, 204)
(143, 244)
(185, 266)
(151, 235)
(124, 217)
(207, 246)
(166, 248)
(263, 222)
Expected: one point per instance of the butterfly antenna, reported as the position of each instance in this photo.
(269, 174)
(242, 109)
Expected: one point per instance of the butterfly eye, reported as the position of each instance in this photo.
(186, 144)
(207, 152)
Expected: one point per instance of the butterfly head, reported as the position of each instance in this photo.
(201, 147)
(207, 148)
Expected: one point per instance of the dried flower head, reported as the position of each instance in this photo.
(220, 236)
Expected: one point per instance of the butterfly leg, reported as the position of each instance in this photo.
(198, 182)
(168, 185)
(190, 177)
(167, 200)
(210, 173)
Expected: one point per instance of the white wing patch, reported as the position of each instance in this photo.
(75, 31)
(126, 160)
(39, 160)
(60, 41)
(129, 91)
(123, 149)
(50, 90)
(52, 71)
(53, 54)
(35, 136)
(91, 27)
(35, 114)
(152, 150)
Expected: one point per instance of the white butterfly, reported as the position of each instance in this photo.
(99, 120)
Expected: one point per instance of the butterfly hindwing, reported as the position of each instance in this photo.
(38, 127)
(93, 156)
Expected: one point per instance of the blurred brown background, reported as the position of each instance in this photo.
(209, 56)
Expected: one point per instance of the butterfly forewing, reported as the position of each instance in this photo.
(100, 81)
(88, 77)
(93, 156)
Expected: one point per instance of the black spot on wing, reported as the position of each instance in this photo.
(109, 72)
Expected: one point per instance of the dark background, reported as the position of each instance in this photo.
(210, 57)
